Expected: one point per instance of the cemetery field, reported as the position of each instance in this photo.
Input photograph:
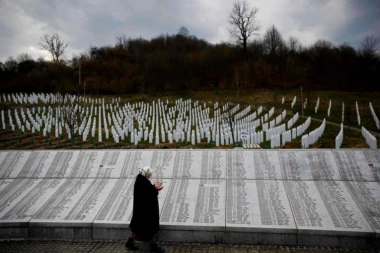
(192, 120)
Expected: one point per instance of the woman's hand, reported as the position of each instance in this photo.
(158, 186)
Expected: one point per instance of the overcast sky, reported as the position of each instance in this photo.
(85, 23)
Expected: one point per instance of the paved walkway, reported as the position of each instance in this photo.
(52, 246)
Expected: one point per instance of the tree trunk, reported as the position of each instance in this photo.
(72, 136)
(245, 46)
(232, 132)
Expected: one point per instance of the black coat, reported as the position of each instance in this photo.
(145, 219)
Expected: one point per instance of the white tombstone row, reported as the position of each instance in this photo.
(339, 137)
(357, 112)
(271, 112)
(275, 141)
(294, 101)
(286, 137)
(370, 139)
(317, 105)
(293, 120)
(156, 122)
(303, 127)
(274, 131)
(282, 100)
(329, 109)
(375, 118)
(317, 133)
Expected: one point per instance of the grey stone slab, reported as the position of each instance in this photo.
(12, 162)
(326, 208)
(242, 164)
(99, 164)
(112, 222)
(367, 195)
(258, 206)
(258, 212)
(20, 200)
(161, 161)
(49, 164)
(194, 204)
(200, 164)
(12, 191)
(75, 204)
(358, 165)
(117, 210)
(4, 183)
(24, 197)
(308, 165)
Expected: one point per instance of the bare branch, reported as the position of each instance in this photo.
(183, 31)
(229, 119)
(243, 23)
(54, 45)
(122, 41)
(294, 45)
(70, 113)
(273, 41)
(369, 47)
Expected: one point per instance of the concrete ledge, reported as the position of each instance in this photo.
(268, 230)
(110, 233)
(13, 232)
(55, 224)
(261, 238)
(13, 224)
(192, 236)
(336, 241)
(60, 233)
(111, 225)
(340, 233)
(13, 229)
(192, 228)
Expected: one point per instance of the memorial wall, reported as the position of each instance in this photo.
(287, 192)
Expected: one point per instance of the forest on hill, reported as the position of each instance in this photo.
(183, 62)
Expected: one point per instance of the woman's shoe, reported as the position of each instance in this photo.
(131, 245)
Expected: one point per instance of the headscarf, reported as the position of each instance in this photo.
(143, 171)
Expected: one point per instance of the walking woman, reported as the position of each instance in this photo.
(145, 220)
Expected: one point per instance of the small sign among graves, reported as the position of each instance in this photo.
(244, 135)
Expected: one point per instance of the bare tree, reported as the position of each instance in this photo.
(294, 45)
(24, 57)
(11, 64)
(122, 41)
(229, 119)
(70, 113)
(243, 23)
(54, 45)
(183, 31)
(273, 41)
(369, 47)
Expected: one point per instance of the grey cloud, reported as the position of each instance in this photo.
(88, 23)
